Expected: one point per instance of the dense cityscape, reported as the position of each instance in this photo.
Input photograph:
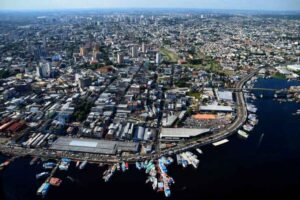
(136, 87)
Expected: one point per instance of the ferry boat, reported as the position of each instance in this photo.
(4, 164)
(248, 127)
(199, 151)
(49, 165)
(243, 134)
(77, 163)
(43, 190)
(83, 164)
(34, 160)
(55, 181)
(123, 167)
(179, 159)
(138, 165)
(40, 175)
(64, 164)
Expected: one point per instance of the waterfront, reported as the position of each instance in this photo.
(239, 169)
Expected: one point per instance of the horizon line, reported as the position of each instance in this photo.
(143, 8)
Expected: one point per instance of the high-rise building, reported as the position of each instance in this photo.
(134, 52)
(144, 48)
(44, 70)
(120, 58)
(158, 58)
(82, 51)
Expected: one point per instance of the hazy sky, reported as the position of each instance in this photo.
(214, 4)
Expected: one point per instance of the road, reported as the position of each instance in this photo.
(214, 137)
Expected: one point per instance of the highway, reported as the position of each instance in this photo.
(214, 137)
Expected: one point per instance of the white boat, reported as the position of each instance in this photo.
(220, 142)
(199, 151)
(243, 134)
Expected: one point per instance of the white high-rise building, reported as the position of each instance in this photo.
(120, 58)
(144, 48)
(158, 58)
(134, 52)
(44, 70)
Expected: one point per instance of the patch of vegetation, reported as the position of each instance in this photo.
(82, 110)
(197, 95)
(5, 73)
(170, 55)
(183, 82)
(279, 76)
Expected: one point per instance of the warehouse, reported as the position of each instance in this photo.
(181, 133)
(93, 145)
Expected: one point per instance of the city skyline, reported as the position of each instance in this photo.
(272, 5)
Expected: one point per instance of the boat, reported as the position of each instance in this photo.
(199, 151)
(123, 167)
(70, 178)
(138, 165)
(167, 190)
(160, 186)
(33, 160)
(243, 134)
(49, 165)
(179, 159)
(220, 142)
(77, 163)
(248, 127)
(55, 181)
(83, 164)
(184, 163)
(43, 190)
(154, 184)
(4, 164)
(251, 108)
(42, 174)
(64, 164)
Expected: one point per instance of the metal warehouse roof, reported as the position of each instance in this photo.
(93, 145)
(181, 132)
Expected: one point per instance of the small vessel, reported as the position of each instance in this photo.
(41, 175)
(49, 165)
(55, 181)
(220, 142)
(64, 164)
(167, 190)
(179, 159)
(243, 134)
(199, 151)
(118, 167)
(138, 165)
(34, 160)
(123, 167)
(83, 164)
(70, 178)
(248, 127)
(43, 190)
(4, 164)
(126, 165)
(261, 95)
(77, 163)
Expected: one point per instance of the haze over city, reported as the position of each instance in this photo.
(276, 5)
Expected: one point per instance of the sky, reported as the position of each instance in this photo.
(279, 5)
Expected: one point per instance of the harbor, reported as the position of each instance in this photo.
(137, 173)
